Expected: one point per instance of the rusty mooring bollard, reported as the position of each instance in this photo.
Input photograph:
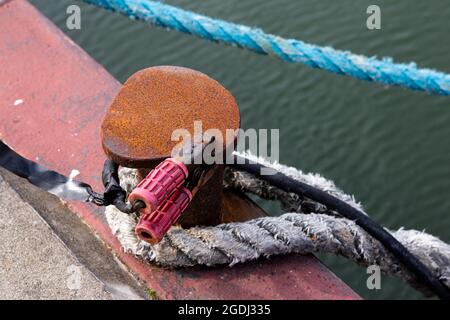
(152, 104)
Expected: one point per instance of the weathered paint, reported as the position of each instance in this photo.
(65, 96)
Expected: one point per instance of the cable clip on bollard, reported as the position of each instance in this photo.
(165, 193)
(152, 226)
(159, 184)
(164, 197)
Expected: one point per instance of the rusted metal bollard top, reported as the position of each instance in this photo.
(137, 129)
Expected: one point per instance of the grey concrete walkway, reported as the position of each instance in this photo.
(36, 264)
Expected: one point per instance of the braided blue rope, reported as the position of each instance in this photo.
(384, 71)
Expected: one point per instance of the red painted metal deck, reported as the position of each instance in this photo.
(52, 99)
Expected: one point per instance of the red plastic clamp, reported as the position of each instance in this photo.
(159, 184)
(153, 226)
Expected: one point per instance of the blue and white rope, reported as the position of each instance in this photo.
(384, 70)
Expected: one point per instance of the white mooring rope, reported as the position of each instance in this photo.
(309, 228)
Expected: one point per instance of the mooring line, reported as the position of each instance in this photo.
(383, 71)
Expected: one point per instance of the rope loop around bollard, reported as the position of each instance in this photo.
(395, 247)
(67, 188)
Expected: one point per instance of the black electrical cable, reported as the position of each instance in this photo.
(48, 180)
(65, 187)
(114, 194)
(288, 184)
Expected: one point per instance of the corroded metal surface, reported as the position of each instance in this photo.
(206, 206)
(137, 130)
(64, 97)
(237, 207)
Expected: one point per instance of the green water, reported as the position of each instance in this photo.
(388, 146)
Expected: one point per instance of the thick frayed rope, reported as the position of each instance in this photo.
(290, 202)
(384, 70)
(231, 243)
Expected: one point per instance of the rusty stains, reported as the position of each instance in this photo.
(137, 129)
(153, 103)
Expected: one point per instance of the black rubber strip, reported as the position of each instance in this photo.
(48, 180)
(65, 187)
